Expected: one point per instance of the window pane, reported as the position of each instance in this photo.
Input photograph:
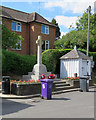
(47, 41)
(47, 44)
(43, 29)
(43, 46)
(17, 46)
(19, 28)
(47, 30)
(14, 26)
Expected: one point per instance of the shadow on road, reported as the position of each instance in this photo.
(9, 106)
(60, 99)
(91, 91)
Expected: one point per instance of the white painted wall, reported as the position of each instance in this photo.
(69, 67)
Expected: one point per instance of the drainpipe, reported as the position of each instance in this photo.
(29, 38)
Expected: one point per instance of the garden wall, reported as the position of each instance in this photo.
(26, 89)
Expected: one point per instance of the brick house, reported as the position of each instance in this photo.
(29, 26)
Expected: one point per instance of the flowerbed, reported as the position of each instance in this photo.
(75, 81)
(24, 82)
(23, 87)
(72, 78)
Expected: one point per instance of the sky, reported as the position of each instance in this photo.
(65, 12)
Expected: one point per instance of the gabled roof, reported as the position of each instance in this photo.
(75, 54)
(23, 17)
(14, 14)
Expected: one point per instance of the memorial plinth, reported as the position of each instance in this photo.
(38, 68)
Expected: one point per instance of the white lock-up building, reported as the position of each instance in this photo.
(75, 62)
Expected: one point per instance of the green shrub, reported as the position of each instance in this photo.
(52, 61)
(17, 64)
(20, 64)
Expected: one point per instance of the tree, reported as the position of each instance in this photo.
(57, 33)
(78, 36)
(71, 39)
(82, 24)
(10, 39)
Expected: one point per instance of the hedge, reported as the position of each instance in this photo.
(17, 64)
(52, 61)
(21, 65)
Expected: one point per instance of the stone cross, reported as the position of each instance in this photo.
(39, 42)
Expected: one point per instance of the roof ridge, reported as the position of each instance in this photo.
(14, 9)
(77, 52)
(43, 17)
(23, 16)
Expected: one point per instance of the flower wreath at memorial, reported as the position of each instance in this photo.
(51, 76)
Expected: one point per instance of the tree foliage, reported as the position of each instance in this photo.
(57, 33)
(78, 36)
(10, 39)
(71, 39)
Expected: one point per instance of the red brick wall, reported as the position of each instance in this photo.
(35, 30)
(24, 33)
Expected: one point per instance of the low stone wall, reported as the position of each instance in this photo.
(26, 89)
(76, 83)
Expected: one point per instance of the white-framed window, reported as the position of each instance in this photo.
(18, 46)
(44, 29)
(16, 26)
(45, 45)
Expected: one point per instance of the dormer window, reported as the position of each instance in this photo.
(44, 29)
(16, 26)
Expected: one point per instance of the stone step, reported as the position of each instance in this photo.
(61, 84)
(63, 88)
(30, 73)
(24, 77)
(64, 91)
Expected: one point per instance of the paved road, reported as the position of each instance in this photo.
(66, 105)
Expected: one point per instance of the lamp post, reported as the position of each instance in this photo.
(88, 37)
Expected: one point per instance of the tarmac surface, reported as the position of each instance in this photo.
(66, 105)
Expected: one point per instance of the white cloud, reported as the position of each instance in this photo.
(66, 21)
(29, 1)
(76, 7)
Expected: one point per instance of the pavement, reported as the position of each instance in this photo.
(10, 96)
(66, 105)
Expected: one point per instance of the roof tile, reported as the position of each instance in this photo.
(75, 54)
(22, 16)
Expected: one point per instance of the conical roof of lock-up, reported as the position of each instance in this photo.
(75, 54)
